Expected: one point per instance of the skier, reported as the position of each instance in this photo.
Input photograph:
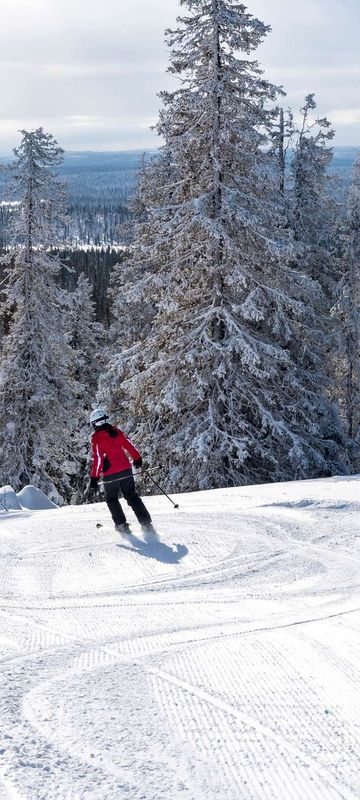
(110, 449)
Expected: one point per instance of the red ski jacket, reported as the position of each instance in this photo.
(110, 447)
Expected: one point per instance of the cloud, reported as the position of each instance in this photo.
(81, 132)
(346, 116)
(81, 68)
(313, 48)
(83, 121)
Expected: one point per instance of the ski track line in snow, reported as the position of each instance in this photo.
(303, 544)
(168, 642)
(68, 741)
(212, 570)
(315, 549)
(55, 637)
(226, 707)
(152, 648)
(198, 635)
(183, 636)
(347, 664)
(343, 792)
(74, 749)
(34, 636)
(140, 586)
(31, 703)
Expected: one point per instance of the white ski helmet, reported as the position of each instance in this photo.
(98, 416)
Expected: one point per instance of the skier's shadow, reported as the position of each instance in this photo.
(154, 548)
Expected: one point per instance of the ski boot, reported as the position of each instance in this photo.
(123, 529)
(149, 532)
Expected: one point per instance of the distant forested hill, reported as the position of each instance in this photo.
(89, 173)
(100, 176)
(343, 161)
(345, 156)
(100, 185)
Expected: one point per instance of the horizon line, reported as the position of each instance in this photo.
(71, 151)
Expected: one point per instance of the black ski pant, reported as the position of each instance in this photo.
(125, 485)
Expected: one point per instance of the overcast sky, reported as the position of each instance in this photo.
(89, 71)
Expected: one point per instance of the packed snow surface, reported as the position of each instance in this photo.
(222, 661)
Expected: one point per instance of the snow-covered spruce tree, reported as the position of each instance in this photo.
(314, 215)
(87, 339)
(132, 305)
(211, 390)
(132, 297)
(349, 311)
(313, 208)
(281, 136)
(37, 396)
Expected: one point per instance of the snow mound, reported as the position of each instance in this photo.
(313, 503)
(8, 499)
(34, 499)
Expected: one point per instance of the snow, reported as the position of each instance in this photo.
(34, 499)
(29, 498)
(8, 499)
(221, 661)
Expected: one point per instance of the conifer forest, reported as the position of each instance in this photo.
(206, 293)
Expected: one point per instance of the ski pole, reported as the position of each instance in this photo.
(145, 472)
(133, 474)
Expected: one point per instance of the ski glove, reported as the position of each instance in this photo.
(138, 462)
(92, 489)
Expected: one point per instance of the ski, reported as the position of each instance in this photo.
(123, 534)
(150, 536)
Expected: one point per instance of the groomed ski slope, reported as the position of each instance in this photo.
(222, 662)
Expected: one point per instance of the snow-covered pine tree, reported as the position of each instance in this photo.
(211, 391)
(37, 395)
